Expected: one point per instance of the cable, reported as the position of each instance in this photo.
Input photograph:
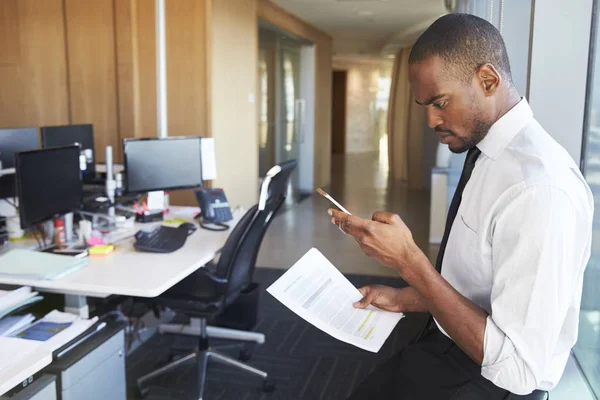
(219, 227)
(491, 17)
(37, 239)
(42, 234)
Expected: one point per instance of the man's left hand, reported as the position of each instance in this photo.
(385, 237)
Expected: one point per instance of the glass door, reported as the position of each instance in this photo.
(291, 107)
(587, 348)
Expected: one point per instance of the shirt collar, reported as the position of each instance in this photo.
(505, 129)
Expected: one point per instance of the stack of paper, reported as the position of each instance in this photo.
(14, 299)
(14, 350)
(12, 325)
(315, 290)
(30, 264)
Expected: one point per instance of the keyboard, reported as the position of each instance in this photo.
(162, 239)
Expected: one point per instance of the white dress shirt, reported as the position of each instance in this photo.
(518, 249)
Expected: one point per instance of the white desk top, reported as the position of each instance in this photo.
(130, 273)
(24, 368)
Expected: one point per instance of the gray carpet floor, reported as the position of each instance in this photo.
(304, 362)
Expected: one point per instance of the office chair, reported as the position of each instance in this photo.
(274, 188)
(206, 294)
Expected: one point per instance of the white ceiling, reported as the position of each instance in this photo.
(370, 27)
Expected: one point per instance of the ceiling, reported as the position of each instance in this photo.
(368, 27)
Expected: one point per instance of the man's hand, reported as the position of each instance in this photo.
(385, 238)
(391, 299)
(388, 240)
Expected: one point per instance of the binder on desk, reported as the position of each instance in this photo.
(30, 264)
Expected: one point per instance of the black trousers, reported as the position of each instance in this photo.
(434, 368)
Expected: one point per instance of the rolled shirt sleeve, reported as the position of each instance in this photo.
(538, 246)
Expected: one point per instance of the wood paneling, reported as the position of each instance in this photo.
(144, 68)
(234, 123)
(323, 81)
(34, 85)
(92, 69)
(186, 67)
(186, 43)
(276, 15)
(9, 32)
(124, 52)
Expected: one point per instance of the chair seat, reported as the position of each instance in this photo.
(196, 296)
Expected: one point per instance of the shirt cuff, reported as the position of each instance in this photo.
(496, 346)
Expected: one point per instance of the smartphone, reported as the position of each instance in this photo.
(331, 199)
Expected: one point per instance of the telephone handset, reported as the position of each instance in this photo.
(214, 209)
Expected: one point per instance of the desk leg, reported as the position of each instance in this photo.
(77, 305)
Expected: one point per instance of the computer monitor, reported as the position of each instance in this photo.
(48, 183)
(162, 164)
(11, 141)
(56, 136)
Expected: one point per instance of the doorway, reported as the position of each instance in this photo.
(338, 113)
(286, 106)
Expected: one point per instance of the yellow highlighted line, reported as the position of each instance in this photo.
(365, 321)
(369, 334)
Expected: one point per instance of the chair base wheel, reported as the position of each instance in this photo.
(268, 386)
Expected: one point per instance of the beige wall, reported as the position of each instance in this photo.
(365, 122)
(234, 123)
(275, 15)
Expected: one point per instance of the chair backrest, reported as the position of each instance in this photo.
(279, 183)
(238, 256)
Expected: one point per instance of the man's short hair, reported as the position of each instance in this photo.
(465, 42)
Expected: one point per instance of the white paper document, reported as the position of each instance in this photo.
(315, 290)
(209, 161)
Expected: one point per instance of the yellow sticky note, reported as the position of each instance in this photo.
(175, 221)
(101, 249)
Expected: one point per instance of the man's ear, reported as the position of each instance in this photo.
(489, 79)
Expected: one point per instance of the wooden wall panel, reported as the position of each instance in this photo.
(144, 68)
(92, 69)
(34, 84)
(124, 52)
(9, 32)
(186, 42)
(186, 67)
(275, 15)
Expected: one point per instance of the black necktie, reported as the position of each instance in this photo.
(464, 178)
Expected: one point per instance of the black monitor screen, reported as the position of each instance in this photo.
(48, 183)
(56, 136)
(162, 164)
(11, 141)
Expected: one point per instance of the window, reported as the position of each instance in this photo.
(587, 349)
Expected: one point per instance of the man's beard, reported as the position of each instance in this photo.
(478, 132)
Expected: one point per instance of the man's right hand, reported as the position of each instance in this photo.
(391, 299)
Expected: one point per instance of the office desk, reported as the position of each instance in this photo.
(130, 273)
(23, 369)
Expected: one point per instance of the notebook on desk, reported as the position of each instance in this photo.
(30, 264)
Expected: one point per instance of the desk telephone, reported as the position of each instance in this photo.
(214, 209)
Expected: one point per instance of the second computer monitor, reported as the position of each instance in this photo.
(55, 136)
(12, 141)
(162, 164)
(48, 183)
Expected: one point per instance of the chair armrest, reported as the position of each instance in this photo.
(209, 274)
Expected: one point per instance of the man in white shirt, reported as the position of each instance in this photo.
(518, 235)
